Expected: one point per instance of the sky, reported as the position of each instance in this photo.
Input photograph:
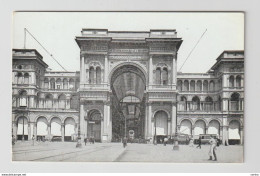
(56, 31)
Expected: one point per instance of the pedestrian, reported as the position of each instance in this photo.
(165, 141)
(85, 140)
(124, 142)
(199, 142)
(212, 150)
(33, 138)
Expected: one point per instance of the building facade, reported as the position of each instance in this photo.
(128, 81)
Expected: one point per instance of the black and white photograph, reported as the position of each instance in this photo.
(128, 87)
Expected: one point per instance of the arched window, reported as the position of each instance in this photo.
(48, 101)
(238, 81)
(208, 104)
(183, 104)
(158, 76)
(234, 102)
(205, 86)
(91, 75)
(192, 85)
(219, 104)
(26, 78)
(71, 83)
(179, 85)
(211, 86)
(62, 101)
(195, 103)
(231, 81)
(23, 98)
(58, 83)
(98, 72)
(199, 127)
(19, 78)
(199, 86)
(65, 83)
(165, 76)
(186, 85)
(52, 82)
(186, 127)
(46, 83)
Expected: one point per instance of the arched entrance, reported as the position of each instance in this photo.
(22, 128)
(199, 128)
(214, 127)
(234, 132)
(128, 83)
(42, 128)
(69, 129)
(55, 127)
(185, 127)
(94, 125)
(160, 125)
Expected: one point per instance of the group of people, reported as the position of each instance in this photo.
(91, 140)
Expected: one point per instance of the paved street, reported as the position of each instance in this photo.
(108, 152)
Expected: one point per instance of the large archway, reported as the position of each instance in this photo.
(69, 129)
(234, 132)
(128, 84)
(42, 128)
(94, 125)
(160, 125)
(22, 128)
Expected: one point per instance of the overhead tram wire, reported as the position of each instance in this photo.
(26, 30)
(193, 49)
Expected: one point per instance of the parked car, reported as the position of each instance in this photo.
(56, 139)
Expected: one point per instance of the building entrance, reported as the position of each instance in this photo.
(128, 102)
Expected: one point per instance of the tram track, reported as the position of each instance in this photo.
(69, 155)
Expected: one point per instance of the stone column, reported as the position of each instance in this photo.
(49, 130)
(149, 121)
(95, 76)
(192, 131)
(29, 132)
(174, 70)
(82, 121)
(82, 70)
(145, 123)
(35, 130)
(107, 127)
(221, 133)
(241, 135)
(62, 132)
(106, 70)
(14, 129)
(225, 131)
(174, 119)
(150, 72)
(206, 129)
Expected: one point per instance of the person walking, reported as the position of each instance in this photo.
(124, 142)
(33, 138)
(212, 150)
(199, 143)
(85, 141)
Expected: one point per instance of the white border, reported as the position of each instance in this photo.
(252, 82)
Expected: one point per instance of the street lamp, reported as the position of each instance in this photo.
(79, 145)
(155, 139)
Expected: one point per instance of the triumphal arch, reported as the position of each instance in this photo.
(128, 83)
